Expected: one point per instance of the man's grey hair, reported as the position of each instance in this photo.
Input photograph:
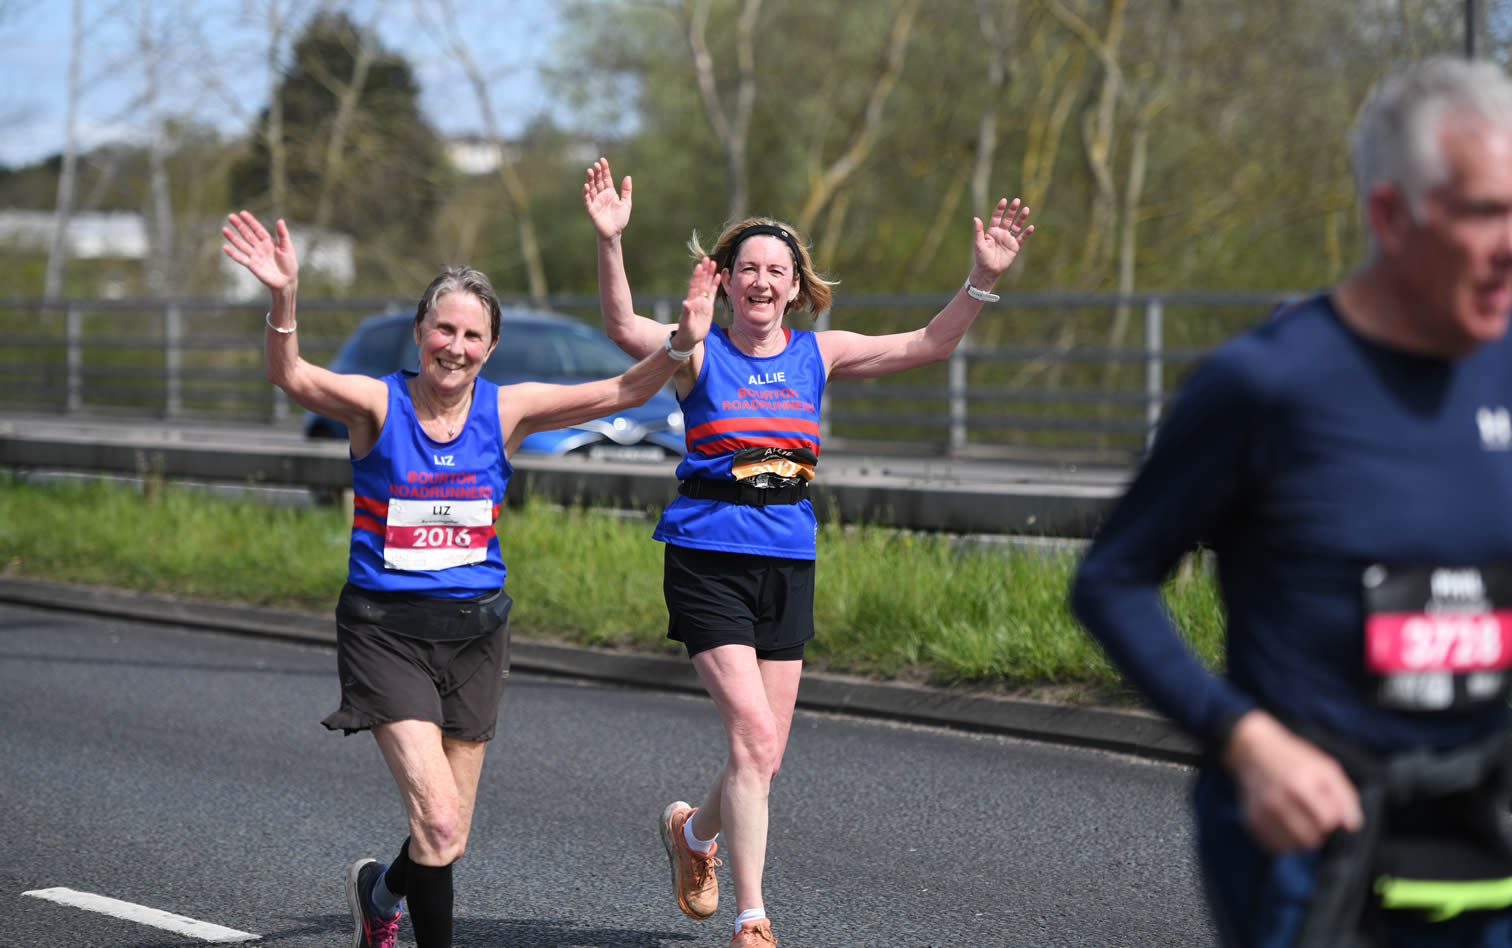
(1396, 137)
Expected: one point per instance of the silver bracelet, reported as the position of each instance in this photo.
(282, 332)
(982, 295)
(676, 354)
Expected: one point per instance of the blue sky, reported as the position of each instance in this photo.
(216, 53)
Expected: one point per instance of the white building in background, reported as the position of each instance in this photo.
(329, 255)
(122, 235)
(89, 236)
(476, 155)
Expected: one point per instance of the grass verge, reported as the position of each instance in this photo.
(888, 604)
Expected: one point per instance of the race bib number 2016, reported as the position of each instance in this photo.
(437, 534)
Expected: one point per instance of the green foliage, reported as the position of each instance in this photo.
(1245, 108)
(33, 188)
(387, 187)
(1245, 182)
(887, 603)
(1237, 115)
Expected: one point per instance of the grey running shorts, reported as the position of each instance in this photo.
(405, 657)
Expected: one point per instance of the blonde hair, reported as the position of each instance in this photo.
(813, 289)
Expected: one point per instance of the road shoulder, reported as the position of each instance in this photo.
(1134, 732)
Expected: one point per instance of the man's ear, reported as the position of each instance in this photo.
(1390, 217)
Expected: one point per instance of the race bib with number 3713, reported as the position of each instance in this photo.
(437, 534)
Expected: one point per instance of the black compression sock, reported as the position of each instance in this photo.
(430, 904)
(397, 876)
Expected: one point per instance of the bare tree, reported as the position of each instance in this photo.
(1147, 97)
(1098, 128)
(943, 222)
(146, 45)
(1058, 70)
(509, 175)
(1114, 215)
(998, 21)
(348, 93)
(57, 255)
(278, 16)
(273, 22)
(161, 267)
(731, 130)
(824, 183)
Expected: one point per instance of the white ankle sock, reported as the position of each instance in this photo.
(749, 915)
(694, 843)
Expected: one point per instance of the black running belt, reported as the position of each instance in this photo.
(1452, 852)
(739, 492)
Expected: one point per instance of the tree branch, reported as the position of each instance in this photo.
(822, 190)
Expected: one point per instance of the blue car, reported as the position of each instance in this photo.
(533, 347)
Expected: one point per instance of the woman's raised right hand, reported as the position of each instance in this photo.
(698, 308)
(609, 211)
(250, 244)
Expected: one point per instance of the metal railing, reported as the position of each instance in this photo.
(1040, 374)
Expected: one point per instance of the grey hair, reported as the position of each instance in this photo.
(1396, 141)
(462, 280)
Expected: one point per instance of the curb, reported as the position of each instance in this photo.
(1139, 733)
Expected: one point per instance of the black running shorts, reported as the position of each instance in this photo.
(716, 598)
(403, 657)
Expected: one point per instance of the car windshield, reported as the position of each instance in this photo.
(544, 350)
(371, 349)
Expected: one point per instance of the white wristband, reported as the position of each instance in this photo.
(982, 295)
(282, 332)
(676, 354)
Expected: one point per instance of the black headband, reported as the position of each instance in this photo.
(781, 233)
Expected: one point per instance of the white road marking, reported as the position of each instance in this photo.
(142, 915)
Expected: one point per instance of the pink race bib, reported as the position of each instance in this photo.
(428, 535)
(1438, 638)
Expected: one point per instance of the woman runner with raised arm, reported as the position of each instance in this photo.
(739, 577)
(423, 621)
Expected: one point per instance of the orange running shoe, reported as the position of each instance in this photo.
(693, 878)
(755, 934)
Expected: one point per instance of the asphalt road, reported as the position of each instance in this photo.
(187, 772)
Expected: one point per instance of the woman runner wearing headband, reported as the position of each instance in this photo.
(739, 577)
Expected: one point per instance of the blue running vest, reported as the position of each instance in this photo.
(739, 406)
(423, 511)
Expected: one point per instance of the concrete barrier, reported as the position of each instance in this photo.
(920, 495)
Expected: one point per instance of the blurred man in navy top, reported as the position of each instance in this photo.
(1349, 461)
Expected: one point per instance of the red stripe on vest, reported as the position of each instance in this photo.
(753, 424)
(735, 444)
(378, 508)
(359, 522)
